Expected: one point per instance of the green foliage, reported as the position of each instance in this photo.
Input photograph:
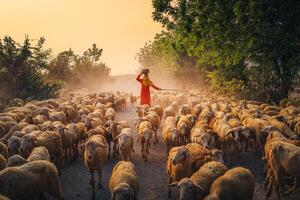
(23, 68)
(259, 36)
(85, 70)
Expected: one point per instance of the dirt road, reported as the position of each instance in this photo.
(153, 177)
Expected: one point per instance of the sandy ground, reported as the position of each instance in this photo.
(153, 177)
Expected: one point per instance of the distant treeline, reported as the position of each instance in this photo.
(29, 71)
(249, 49)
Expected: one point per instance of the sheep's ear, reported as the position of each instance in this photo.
(229, 132)
(174, 184)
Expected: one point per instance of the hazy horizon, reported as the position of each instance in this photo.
(78, 24)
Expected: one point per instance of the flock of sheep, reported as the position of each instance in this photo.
(204, 135)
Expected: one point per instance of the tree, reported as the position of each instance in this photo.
(23, 68)
(259, 36)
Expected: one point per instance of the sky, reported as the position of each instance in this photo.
(120, 27)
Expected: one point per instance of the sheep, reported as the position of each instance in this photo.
(110, 114)
(198, 155)
(184, 126)
(16, 160)
(236, 184)
(282, 158)
(125, 144)
(58, 116)
(14, 144)
(170, 133)
(255, 126)
(159, 111)
(170, 111)
(28, 142)
(49, 139)
(3, 162)
(202, 134)
(177, 171)
(92, 122)
(30, 180)
(185, 109)
(227, 141)
(115, 128)
(145, 133)
(3, 150)
(100, 130)
(197, 186)
(124, 182)
(29, 128)
(95, 155)
(39, 153)
(154, 119)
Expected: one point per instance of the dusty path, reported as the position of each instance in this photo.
(153, 178)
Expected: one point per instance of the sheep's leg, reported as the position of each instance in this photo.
(142, 150)
(109, 147)
(92, 183)
(169, 188)
(156, 135)
(100, 177)
(296, 184)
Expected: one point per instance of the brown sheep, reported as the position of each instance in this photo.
(202, 134)
(170, 111)
(184, 126)
(39, 153)
(197, 186)
(154, 119)
(236, 184)
(159, 111)
(170, 133)
(282, 158)
(29, 128)
(125, 144)
(110, 114)
(45, 180)
(95, 155)
(178, 170)
(145, 133)
(115, 128)
(124, 182)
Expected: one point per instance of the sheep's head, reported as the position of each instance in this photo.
(181, 155)
(123, 137)
(208, 140)
(14, 144)
(123, 192)
(188, 190)
(28, 142)
(16, 160)
(183, 129)
(175, 136)
(217, 155)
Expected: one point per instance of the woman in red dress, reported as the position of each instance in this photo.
(146, 84)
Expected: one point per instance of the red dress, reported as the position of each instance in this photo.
(145, 91)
